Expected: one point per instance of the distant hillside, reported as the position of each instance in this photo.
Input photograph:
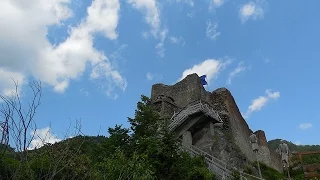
(273, 144)
(295, 167)
(307, 159)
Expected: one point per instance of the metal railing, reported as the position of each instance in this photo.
(178, 118)
(217, 166)
(214, 165)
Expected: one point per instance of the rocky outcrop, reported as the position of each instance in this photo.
(228, 141)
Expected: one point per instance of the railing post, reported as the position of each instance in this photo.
(223, 175)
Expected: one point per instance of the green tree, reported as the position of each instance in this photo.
(145, 150)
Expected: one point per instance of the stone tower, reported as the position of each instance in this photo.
(210, 121)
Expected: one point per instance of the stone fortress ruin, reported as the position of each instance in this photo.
(211, 124)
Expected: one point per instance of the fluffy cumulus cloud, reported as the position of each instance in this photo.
(252, 10)
(305, 126)
(42, 137)
(209, 67)
(240, 68)
(212, 30)
(258, 103)
(25, 49)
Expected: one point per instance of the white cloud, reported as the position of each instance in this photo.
(177, 40)
(258, 103)
(25, 49)
(117, 54)
(218, 2)
(61, 86)
(84, 92)
(149, 76)
(212, 30)
(191, 14)
(104, 70)
(153, 76)
(7, 78)
(189, 2)
(160, 49)
(240, 68)
(160, 46)
(251, 10)
(214, 4)
(272, 95)
(305, 126)
(150, 9)
(209, 67)
(41, 137)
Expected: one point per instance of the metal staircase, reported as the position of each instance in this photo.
(217, 166)
(198, 106)
(220, 168)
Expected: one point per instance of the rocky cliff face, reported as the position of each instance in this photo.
(228, 141)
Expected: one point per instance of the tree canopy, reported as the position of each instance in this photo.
(145, 150)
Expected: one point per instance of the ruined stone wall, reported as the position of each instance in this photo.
(275, 160)
(230, 140)
(238, 126)
(241, 131)
(168, 109)
(203, 138)
(184, 92)
(266, 154)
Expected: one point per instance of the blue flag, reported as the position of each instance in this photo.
(203, 79)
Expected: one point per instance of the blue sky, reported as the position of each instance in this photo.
(95, 58)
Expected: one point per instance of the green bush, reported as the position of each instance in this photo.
(269, 173)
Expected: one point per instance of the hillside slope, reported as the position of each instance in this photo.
(273, 144)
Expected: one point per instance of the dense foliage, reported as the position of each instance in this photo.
(145, 150)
